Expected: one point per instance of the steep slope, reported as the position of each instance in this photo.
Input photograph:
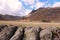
(45, 14)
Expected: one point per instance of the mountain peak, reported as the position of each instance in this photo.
(52, 14)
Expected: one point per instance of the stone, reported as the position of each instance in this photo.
(2, 27)
(31, 33)
(56, 33)
(46, 34)
(18, 34)
(7, 32)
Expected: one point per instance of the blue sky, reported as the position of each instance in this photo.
(47, 2)
(24, 7)
(29, 6)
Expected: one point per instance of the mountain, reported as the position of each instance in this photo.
(9, 17)
(45, 15)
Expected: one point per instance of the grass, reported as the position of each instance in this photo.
(35, 24)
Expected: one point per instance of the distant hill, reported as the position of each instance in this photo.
(45, 15)
(9, 17)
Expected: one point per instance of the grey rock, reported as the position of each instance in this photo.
(46, 34)
(18, 34)
(7, 32)
(31, 33)
(56, 38)
(56, 33)
(2, 27)
(37, 32)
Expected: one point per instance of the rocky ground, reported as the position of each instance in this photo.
(28, 33)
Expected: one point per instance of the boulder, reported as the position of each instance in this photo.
(56, 38)
(37, 32)
(46, 34)
(2, 27)
(18, 34)
(31, 33)
(56, 33)
(7, 32)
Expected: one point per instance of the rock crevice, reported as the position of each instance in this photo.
(28, 33)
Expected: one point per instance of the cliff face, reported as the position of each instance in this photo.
(47, 14)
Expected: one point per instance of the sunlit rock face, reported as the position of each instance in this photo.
(18, 35)
(31, 33)
(7, 32)
(28, 33)
(46, 34)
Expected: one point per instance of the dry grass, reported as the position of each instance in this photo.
(35, 24)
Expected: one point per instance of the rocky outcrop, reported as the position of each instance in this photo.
(31, 33)
(56, 33)
(18, 34)
(28, 33)
(46, 34)
(2, 27)
(7, 33)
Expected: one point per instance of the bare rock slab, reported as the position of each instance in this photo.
(46, 34)
(7, 33)
(18, 34)
(31, 33)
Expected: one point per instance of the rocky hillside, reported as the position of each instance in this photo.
(45, 15)
(28, 33)
(9, 17)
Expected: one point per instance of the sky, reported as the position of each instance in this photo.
(24, 7)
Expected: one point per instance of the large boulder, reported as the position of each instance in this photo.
(46, 34)
(37, 32)
(18, 34)
(7, 32)
(31, 33)
(2, 27)
(56, 33)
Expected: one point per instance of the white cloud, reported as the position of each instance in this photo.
(2, 4)
(34, 3)
(11, 7)
(28, 11)
(28, 2)
(39, 4)
(13, 4)
(57, 4)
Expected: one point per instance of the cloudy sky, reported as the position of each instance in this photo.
(23, 7)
